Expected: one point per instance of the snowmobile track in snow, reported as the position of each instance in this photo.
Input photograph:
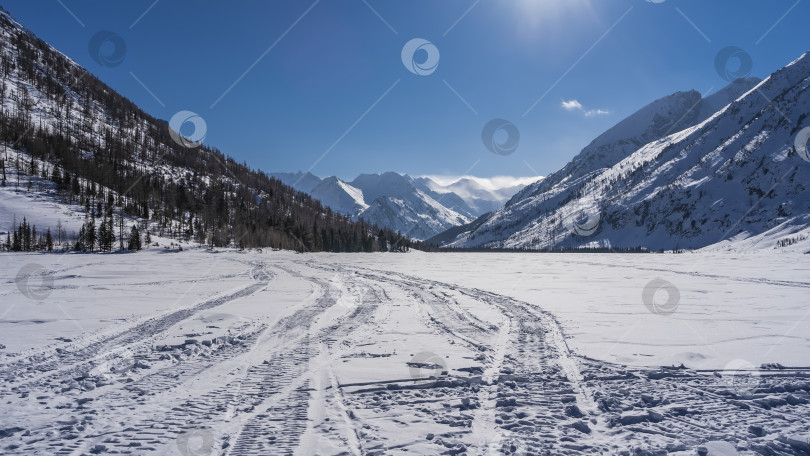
(76, 357)
(256, 391)
(546, 400)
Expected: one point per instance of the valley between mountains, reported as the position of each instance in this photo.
(160, 296)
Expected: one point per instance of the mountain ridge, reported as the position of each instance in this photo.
(648, 196)
(417, 206)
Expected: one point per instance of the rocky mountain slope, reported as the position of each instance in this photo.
(682, 172)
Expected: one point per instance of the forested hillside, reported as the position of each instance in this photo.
(61, 123)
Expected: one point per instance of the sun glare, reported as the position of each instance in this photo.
(547, 13)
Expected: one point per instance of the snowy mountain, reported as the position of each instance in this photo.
(472, 194)
(396, 202)
(339, 196)
(682, 172)
(419, 206)
(452, 200)
(303, 182)
(415, 217)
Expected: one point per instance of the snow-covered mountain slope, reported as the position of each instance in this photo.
(418, 206)
(339, 196)
(37, 204)
(303, 182)
(385, 184)
(722, 98)
(452, 201)
(397, 203)
(450, 235)
(405, 203)
(417, 215)
(43, 208)
(478, 199)
(658, 119)
(674, 176)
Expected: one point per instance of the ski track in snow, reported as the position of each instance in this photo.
(329, 374)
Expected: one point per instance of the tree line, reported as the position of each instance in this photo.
(25, 238)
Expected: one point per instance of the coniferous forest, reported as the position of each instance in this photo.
(105, 154)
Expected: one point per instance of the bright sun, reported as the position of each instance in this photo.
(548, 14)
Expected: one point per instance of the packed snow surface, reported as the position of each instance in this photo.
(257, 353)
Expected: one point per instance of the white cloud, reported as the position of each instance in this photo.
(571, 105)
(574, 105)
(596, 112)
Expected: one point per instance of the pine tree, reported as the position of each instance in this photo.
(103, 236)
(134, 238)
(110, 233)
(26, 236)
(79, 247)
(120, 231)
(147, 238)
(90, 236)
(16, 243)
(56, 177)
(59, 231)
(49, 240)
(75, 187)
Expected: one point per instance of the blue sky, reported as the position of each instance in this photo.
(323, 84)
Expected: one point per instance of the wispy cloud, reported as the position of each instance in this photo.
(575, 105)
(596, 112)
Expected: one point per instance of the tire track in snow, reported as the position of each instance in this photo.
(60, 369)
(25, 372)
(444, 312)
(285, 415)
(525, 409)
(524, 395)
(246, 400)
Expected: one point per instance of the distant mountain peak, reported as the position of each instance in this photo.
(417, 206)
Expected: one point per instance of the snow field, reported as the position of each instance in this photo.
(244, 353)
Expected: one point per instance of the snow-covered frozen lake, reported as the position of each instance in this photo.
(275, 352)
